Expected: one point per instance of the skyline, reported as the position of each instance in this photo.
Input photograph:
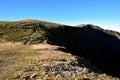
(104, 13)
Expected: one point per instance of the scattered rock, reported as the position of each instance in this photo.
(67, 70)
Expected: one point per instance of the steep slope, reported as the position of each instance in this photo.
(104, 48)
(99, 46)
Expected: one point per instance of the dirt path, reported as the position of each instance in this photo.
(10, 46)
(30, 37)
(45, 47)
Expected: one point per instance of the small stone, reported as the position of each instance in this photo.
(73, 73)
(104, 74)
(17, 76)
(58, 75)
(33, 75)
(44, 73)
(64, 73)
(85, 76)
(80, 69)
(85, 70)
(117, 79)
(26, 78)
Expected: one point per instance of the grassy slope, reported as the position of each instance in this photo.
(21, 31)
(20, 62)
(42, 32)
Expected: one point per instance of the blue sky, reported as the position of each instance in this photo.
(104, 13)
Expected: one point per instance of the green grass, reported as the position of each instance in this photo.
(20, 31)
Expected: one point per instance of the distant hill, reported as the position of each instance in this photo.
(101, 47)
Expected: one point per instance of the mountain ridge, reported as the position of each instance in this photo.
(99, 46)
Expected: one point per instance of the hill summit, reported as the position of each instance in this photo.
(99, 46)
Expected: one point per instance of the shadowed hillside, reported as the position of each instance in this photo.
(98, 45)
(101, 47)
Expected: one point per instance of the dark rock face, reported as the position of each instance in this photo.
(99, 46)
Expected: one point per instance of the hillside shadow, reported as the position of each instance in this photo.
(102, 49)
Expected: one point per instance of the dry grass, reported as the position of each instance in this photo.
(12, 57)
(17, 62)
(16, 57)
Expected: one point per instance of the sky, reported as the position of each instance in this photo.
(104, 13)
